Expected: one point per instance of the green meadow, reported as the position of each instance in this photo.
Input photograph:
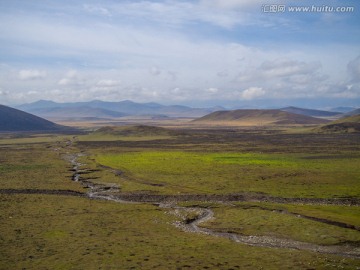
(283, 175)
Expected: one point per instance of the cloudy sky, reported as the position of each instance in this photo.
(205, 52)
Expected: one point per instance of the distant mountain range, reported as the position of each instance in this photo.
(76, 112)
(15, 120)
(257, 117)
(342, 109)
(98, 109)
(103, 109)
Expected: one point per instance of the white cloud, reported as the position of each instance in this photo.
(156, 47)
(31, 74)
(71, 78)
(286, 67)
(64, 81)
(72, 74)
(212, 90)
(98, 10)
(354, 69)
(234, 4)
(32, 92)
(284, 77)
(223, 73)
(108, 83)
(155, 71)
(252, 93)
(180, 13)
(306, 79)
(3, 92)
(172, 75)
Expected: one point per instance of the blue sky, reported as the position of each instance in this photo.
(223, 52)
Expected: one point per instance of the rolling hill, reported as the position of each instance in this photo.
(350, 124)
(353, 112)
(257, 117)
(15, 120)
(310, 112)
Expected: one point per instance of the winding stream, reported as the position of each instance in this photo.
(111, 192)
(206, 214)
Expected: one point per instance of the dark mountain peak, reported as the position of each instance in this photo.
(44, 101)
(96, 101)
(15, 120)
(127, 102)
(38, 104)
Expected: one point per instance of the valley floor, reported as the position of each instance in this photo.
(194, 199)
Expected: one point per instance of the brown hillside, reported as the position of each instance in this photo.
(349, 119)
(349, 124)
(258, 117)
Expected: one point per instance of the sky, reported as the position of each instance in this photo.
(200, 53)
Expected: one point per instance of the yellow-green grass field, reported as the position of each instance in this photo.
(285, 175)
(57, 232)
(35, 166)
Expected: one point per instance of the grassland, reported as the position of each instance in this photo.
(30, 139)
(298, 176)
(34, 165)
(124, 133)
(39, 232)
(66, 232)
(277, 221)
